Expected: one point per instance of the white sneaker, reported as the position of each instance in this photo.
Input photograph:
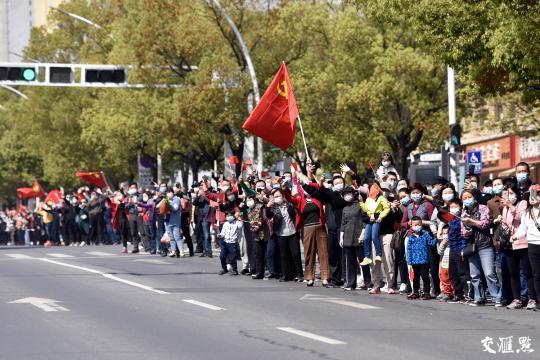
(82, 244)
(403, 287)
(384, 289)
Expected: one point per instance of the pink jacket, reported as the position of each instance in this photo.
(512, 220)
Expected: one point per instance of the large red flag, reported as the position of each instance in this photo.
(33, 192)
(55, 196)
(95, 178)
(274, 117)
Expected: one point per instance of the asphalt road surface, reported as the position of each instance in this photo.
(95, 303)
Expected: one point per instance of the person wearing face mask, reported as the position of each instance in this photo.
(162, 217)
(392, 181)
(201, 202)
(311, 219)
(135, 218)
(229, 236)
(487, 190)
(216, 200)
(69, 216)
(448, 193)
(472, 183)
(120, 219)
(386, 166)
(423, 208)
(350, 231)
(186, 214)
(516, 255)
(529, 228)
(377, 208)
(399, 248)
(148, 229)
(523, 172)
(256, 222)
(458, 267)
(174, 225)
(283, 215)
(418, 245)
(333, 207)
(476, 224)
(95, 214)
(402, 184)
(84, 223)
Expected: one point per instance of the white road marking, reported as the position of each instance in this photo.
(108, 276)
(19, 256)
(99, 253)
(312, 336)
(59, 255)
(204, 305)
(41, 303)
(339, 301)
(132, 283)
(152, 261)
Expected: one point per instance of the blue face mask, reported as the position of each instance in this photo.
(230, 219)
(416, 197)
(521, 177)
(162, 190)
(498, 189)
(469, 202)
(405, 201)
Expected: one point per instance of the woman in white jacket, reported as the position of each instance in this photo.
(386, 166)
(530, 228)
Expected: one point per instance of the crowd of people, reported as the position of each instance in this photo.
(477, 245)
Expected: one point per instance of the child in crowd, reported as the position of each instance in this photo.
(418, 257)
(228, 238)
(443, 249)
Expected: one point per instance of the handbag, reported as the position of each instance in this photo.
(165, 239)
(470, 249)
(164, 207)
(504, 238)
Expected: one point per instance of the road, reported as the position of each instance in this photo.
(123, 306)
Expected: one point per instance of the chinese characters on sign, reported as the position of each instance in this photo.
(506, 345)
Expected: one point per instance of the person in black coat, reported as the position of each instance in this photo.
(350, 231)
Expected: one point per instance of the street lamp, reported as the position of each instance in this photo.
(75, 16)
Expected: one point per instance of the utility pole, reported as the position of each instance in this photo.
(452, 121)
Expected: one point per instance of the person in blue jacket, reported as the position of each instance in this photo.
(418, 257)
(174, 225)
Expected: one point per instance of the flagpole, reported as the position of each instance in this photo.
(303, 137)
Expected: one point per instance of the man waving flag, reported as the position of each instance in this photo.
(274, 117)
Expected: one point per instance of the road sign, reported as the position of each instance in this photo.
(475, 158)
(41, 303)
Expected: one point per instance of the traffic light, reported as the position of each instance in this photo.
(60, 75)
(18, 73)
(455, 135)
(116, 76)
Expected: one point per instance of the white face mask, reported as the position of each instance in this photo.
(145, 198)
(231, 197)
(278, 200)
(392, 184)
(512, 199)
(250, 203)
(447, 197)
(434, 191)
(224, 188)
(417, 228)
(338, 187)
(386, 163)
(230, 218)
(348, 197)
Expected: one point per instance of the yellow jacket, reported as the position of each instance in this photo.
(376, 206)
(47, 216)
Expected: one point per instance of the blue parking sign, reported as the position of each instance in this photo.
(475, 158)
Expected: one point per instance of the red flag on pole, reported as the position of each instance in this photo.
(95, 178)
(233, 160)
(33, 192)
(274, 117)
(55, 196)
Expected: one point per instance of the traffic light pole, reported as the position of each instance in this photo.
(453, 171)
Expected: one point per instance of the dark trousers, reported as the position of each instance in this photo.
(148, 236)
(350, 264)
(334, 257)
(534, 260)
(123, 231)
(134, 228)
(160, 231)
(273, 262)
(198, 234)
(96, 229)
(516, 260)
(228, 252)
(434, 260)
(506, 288)
(459, 273)
(421, 271)
(186, 232)
(401, 267)
(291, 262)
(365, 269)
(71, 232)
(260, 255)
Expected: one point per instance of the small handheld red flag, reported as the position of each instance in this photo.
(55, 196)
(274, 117)
(95, 178)
(233, 160)
(33, 192)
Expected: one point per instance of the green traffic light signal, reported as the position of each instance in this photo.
(29, 74)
